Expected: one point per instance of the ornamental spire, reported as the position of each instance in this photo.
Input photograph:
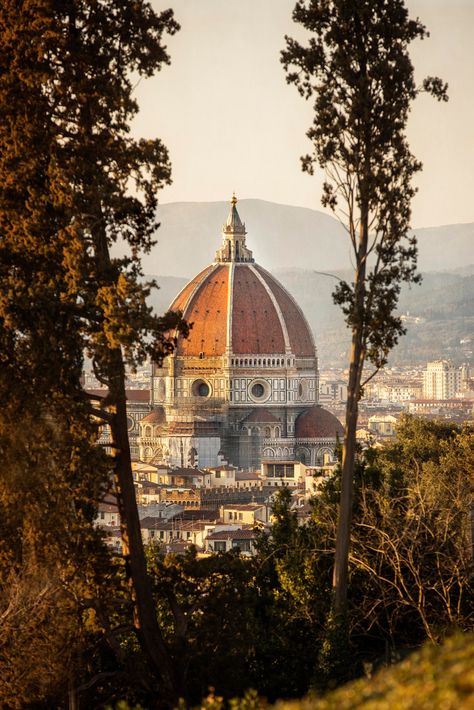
(233, 238)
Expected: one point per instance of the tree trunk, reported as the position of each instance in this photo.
(343, 535)
(145, 621)
(340, 572)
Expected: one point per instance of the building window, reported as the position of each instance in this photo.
(201, 388)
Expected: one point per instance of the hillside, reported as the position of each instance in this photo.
(436, 677)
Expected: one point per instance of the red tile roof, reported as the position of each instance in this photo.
(261, 415)
(258, 303)
(316, 422)
(256, 327)
(232, 535)
(157, 416)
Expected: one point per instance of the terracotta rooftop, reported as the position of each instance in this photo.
(232, 535)
(187, 472)
(261, 415)
(157, 416)
(243, 506)
(247, 475)
(316, 422)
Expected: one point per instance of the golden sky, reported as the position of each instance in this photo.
(231, 122)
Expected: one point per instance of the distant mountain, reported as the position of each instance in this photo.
(282, 236)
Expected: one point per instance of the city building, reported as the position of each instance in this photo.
(244, 386)
(441, 380)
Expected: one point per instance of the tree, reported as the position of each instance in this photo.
(411, 555)
(412, 541)
(356, 64)
(73, 183)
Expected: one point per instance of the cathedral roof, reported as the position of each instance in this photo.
(316, 422)
(239, 308)
(261, 415)
(157, 416)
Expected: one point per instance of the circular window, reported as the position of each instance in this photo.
(130, 423)
(203, 389)
(258, 390)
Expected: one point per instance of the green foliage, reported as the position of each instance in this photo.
(357, 66)
(411, 544)
(334, 664)
(206, 609)
(228, 627)
(410, 557)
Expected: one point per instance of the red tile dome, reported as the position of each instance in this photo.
(242, 307)
(318, 423)
(237, 307)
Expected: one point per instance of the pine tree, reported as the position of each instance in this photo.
(356, 65)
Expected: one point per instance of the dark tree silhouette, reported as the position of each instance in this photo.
(356, 66)
(73, 182)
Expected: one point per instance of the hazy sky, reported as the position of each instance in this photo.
(231, 122)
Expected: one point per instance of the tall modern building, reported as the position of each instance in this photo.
(441, 380)
(244, 386)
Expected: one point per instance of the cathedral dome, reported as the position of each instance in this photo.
(318, 423)
(238, 308)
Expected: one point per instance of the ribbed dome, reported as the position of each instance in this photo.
(237, 307)
(316, 423)
(242, 308)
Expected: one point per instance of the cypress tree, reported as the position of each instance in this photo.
(357, 68)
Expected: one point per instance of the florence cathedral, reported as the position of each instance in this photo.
(243, 387)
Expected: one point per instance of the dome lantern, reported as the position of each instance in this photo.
(233, 246)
